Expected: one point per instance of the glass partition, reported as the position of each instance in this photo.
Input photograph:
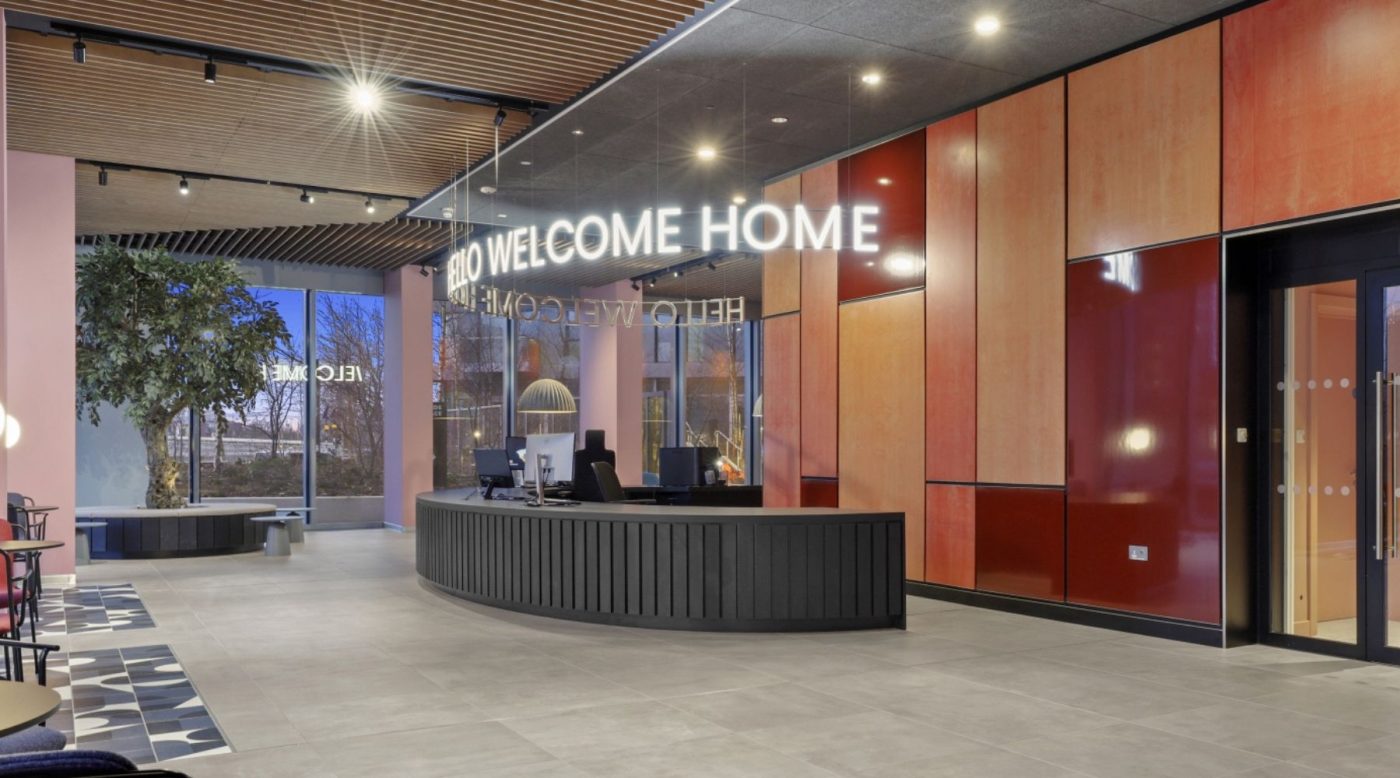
(546, 351)
(350, 395)
(658, 397)
(716, 359)
(469, 358)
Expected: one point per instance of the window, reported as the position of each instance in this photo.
(350, 394)
(469, 358)
(260, 455)
(658, 397)
(545, 351)
(715, 415)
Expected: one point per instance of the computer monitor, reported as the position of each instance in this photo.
(686, 465)
(560, 450)
(515, 447)
(493, 470)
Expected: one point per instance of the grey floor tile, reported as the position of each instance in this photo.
(1273, 732)
(731, 755)
(863, 743)
(986, 763)
(744, 710)
(1127, 749)
(440, 751)
(609, 729)
(1374, 757)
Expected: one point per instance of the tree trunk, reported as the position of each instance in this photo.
(162, 471)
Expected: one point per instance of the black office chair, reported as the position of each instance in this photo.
(585, 482)
(610, 487)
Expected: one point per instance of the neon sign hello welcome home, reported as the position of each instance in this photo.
(593, 237)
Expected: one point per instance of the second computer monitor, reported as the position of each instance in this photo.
(560, 450)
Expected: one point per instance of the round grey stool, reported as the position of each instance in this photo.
(296, 522)
(278, 539)
(82, 546)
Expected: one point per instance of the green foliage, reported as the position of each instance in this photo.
(158, 336)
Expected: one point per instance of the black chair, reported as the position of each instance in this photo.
(38, 737)
(586, 486)
(610, 487)
(34, 527)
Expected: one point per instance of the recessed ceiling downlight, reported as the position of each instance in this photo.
(987, 25)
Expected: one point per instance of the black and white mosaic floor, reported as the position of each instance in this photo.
(135, 701)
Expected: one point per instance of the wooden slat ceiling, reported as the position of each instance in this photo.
(374, 246)
(134, 107)
(542, 49)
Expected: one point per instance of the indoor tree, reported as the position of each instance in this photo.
(157, 337)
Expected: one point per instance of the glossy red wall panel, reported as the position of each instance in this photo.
(820, 493)
(891, 176)
(1021, 541)
(819, 193)
(1144, 431)
(1311, 103)
(950, 535)
(950, 319)
(782, 416)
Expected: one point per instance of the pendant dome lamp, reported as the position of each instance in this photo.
(546, 395)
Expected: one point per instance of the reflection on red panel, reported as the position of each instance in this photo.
(820, 493)
(1312, 99)
(1144, 430)
(889, 176)
(782, 417)
(950, 537)
(950, 317)
(1021, 541)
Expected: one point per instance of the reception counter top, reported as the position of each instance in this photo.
(669, 567)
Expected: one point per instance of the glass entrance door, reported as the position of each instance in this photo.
(1334, 466)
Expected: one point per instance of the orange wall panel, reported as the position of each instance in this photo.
(782, 417)
(882, 412)
(1144, 145)
(819, 336)
(782, 273)
(1312, 100)
(1021, 288)
(950, 535)
(951, 293)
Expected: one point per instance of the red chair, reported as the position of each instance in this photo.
(19, 600)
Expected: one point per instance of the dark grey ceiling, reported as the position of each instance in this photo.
(722, 82)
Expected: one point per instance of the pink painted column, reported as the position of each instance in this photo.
(40, 356)
(4, 218)
(408, 393)
(610, 382)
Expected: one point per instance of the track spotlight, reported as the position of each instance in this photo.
(635, 286)
(80, 51)
(211, 71)
(307, 197)
(651, 282)
(102, 176)
(369, 205)
(500, 117)
(184, 185)
(675, 274)
(365, 97)
(423, 270)
(711, 266)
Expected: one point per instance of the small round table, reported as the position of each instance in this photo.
(296, 530)
(22, 705)
(278, 539)
(82, 545)
(28, 546)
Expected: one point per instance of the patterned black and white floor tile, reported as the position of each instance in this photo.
(84, 610)
(138, 702)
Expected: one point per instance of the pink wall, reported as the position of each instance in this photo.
(610, 383)
(39, 349)
(4, 217)
(408, 392)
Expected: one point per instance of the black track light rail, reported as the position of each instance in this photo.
(710, 260)
(195, 176)
(264, 62)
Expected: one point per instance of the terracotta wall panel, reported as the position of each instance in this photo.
(820, 493)
(782, 417)
(1144, 431)
(890, 176)
(882, 412)
(1020, 288)
(1144, 145)
(1312, 100)
(951, 294)
(1021, 541)
(950, 535)
(819, 193)
(782, 274)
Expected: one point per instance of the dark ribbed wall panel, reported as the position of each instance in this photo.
(176, 536)
(747, 573)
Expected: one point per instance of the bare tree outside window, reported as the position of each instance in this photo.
(469, 361)
(350, 386)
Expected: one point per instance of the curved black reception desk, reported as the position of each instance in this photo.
(669, 567)
(204, 529)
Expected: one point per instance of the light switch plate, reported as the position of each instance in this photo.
(1241, 434)
(1137, 553)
